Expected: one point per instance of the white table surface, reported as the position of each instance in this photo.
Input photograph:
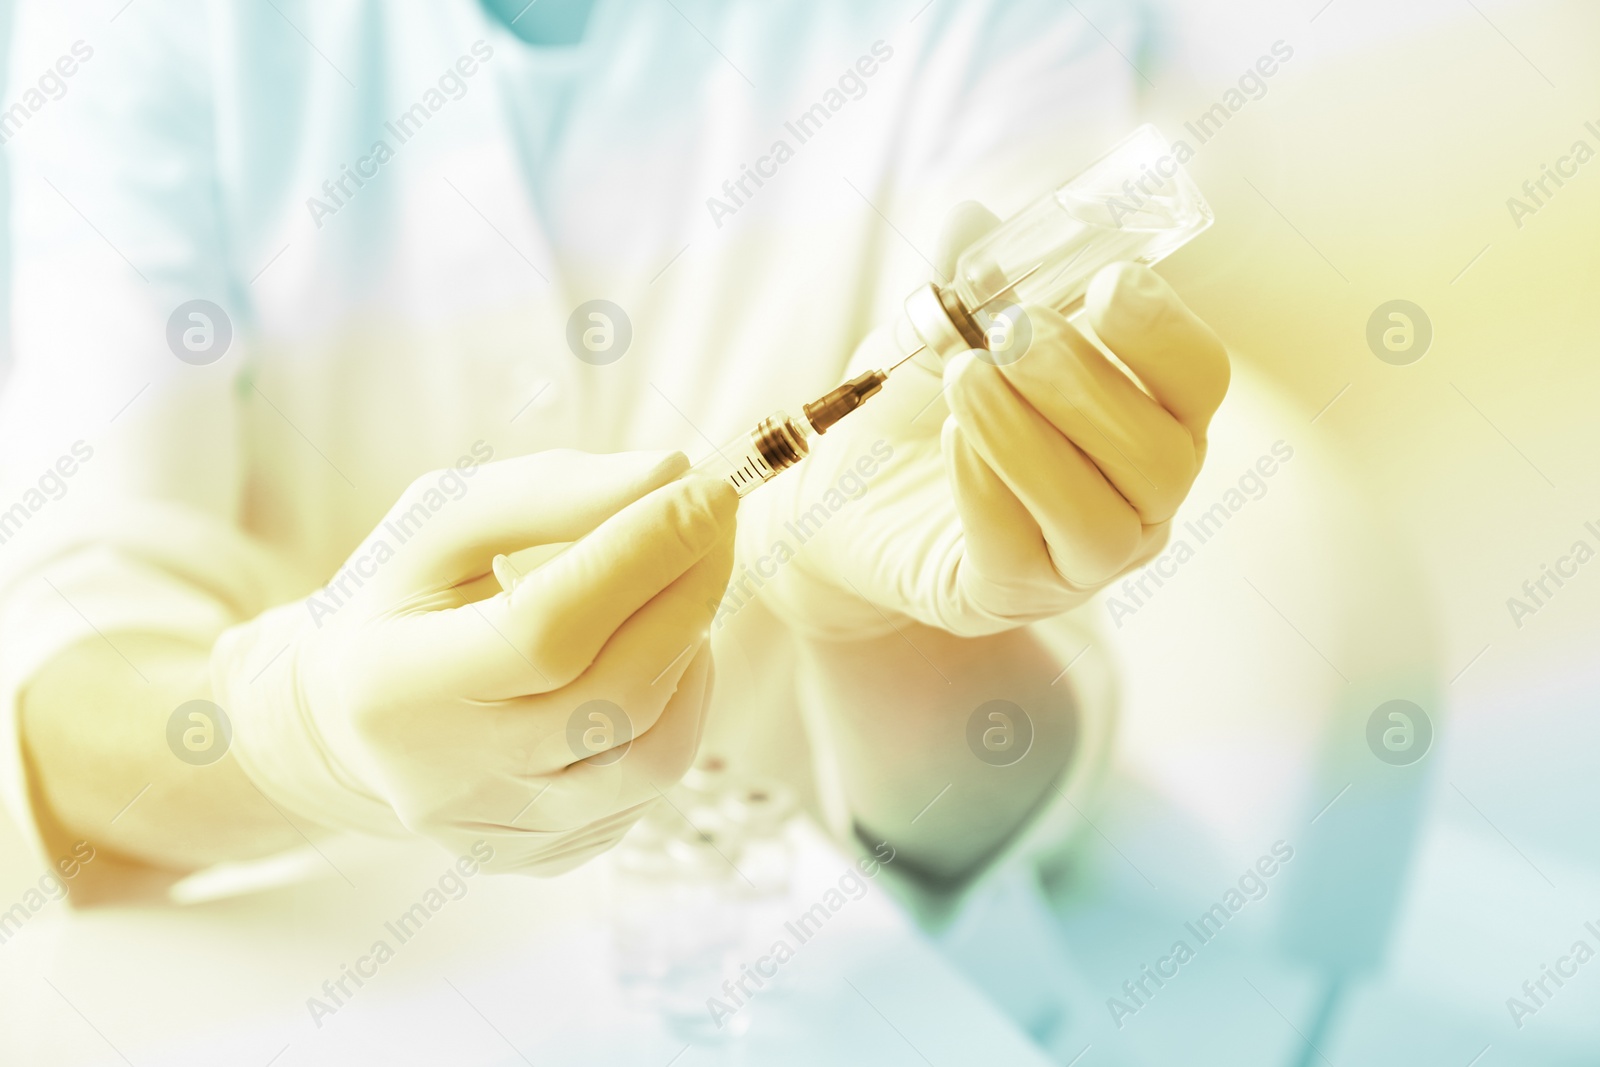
(518, 970)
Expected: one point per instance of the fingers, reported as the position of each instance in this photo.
(1143, 451)
(1177, 356)
(1148, 446)
(527, 746)
(563, 614)
(641, 665)
(652, 762)
(964, 224)
(660, 755)
(1089, 530)
(1005, 569)
(549, 628)
(1001, 538)
(449, 524)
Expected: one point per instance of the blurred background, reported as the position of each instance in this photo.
(1375, 165)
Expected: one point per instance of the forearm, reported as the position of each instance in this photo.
(898, 710)
(96, 735)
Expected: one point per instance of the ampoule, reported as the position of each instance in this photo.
(1135, 203)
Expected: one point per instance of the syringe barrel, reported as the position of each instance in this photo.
(755, 457)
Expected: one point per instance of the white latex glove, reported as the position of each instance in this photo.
(1012, 492)
(417, 706)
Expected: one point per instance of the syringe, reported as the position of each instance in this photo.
(780, 440)
(777, 443)
(1136, 203)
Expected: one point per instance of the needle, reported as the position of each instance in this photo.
(1031, 271)
(915, 353)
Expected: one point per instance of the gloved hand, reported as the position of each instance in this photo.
(394, 700)
(1010, 493)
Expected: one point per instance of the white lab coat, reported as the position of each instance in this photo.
(382, 332)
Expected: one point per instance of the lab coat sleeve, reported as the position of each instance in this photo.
(119, 483)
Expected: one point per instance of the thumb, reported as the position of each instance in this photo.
(545, 632)
(964, 224)
(448, 525)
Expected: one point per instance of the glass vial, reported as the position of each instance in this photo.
(1136, 203)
